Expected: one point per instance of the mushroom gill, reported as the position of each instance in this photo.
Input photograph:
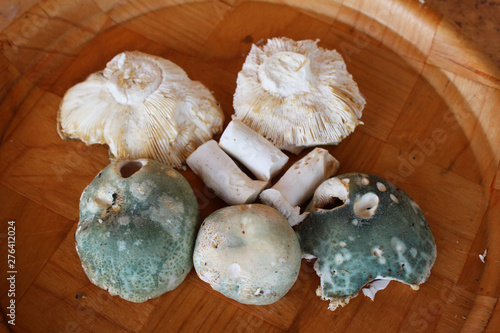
(141, 106)
(297, 94)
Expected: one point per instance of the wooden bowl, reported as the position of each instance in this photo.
(430, 126)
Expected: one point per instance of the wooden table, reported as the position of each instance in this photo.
(430, 124)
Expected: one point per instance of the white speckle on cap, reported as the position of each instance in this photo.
(415, 207)
(339, 258)
(346, 181)
(381, 187)
(393, 198)
(365, 181)
(233, 271)
(138, 242)
(407, 267)
(377, 252)
(122, 245)
(355, 221)
(398, 245)
(413, 252)
(343, 244)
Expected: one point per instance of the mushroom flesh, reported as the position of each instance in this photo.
(221, 174)
(250, 148)
(298, 184)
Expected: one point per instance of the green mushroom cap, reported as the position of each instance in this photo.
(362, 228)
(138, 222)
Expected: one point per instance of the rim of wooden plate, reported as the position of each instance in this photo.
(432, 38)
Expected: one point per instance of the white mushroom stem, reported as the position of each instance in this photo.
(255, 152)
(275, 199)
(219, 172)
(304, 176)
(299, 183)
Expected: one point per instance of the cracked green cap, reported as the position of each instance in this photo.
(138, 222)
(362, 228)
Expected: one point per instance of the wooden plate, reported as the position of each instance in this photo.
(431, 127)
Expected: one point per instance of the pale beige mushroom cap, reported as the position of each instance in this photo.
(297, 94)
(141, 106)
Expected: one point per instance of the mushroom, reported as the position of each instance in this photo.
(364, 230)
(137, 227)
(221, 174)
(248, 253)
(259, 155)
(299, 183)
(142, 106)
(297, 94)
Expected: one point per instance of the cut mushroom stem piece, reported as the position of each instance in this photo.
(219, 172)
(299, 183)
(255, 152)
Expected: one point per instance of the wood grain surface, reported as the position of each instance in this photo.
(430, 126)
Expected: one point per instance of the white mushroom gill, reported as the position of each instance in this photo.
(141, 106)
(297, 94)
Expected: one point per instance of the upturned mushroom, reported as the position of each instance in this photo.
(248, 253)
(138, 223)
(141, 106)
(297, 94)
(363, 232)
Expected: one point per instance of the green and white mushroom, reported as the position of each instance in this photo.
(248, 253)
(361, 229)
(138, 222)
